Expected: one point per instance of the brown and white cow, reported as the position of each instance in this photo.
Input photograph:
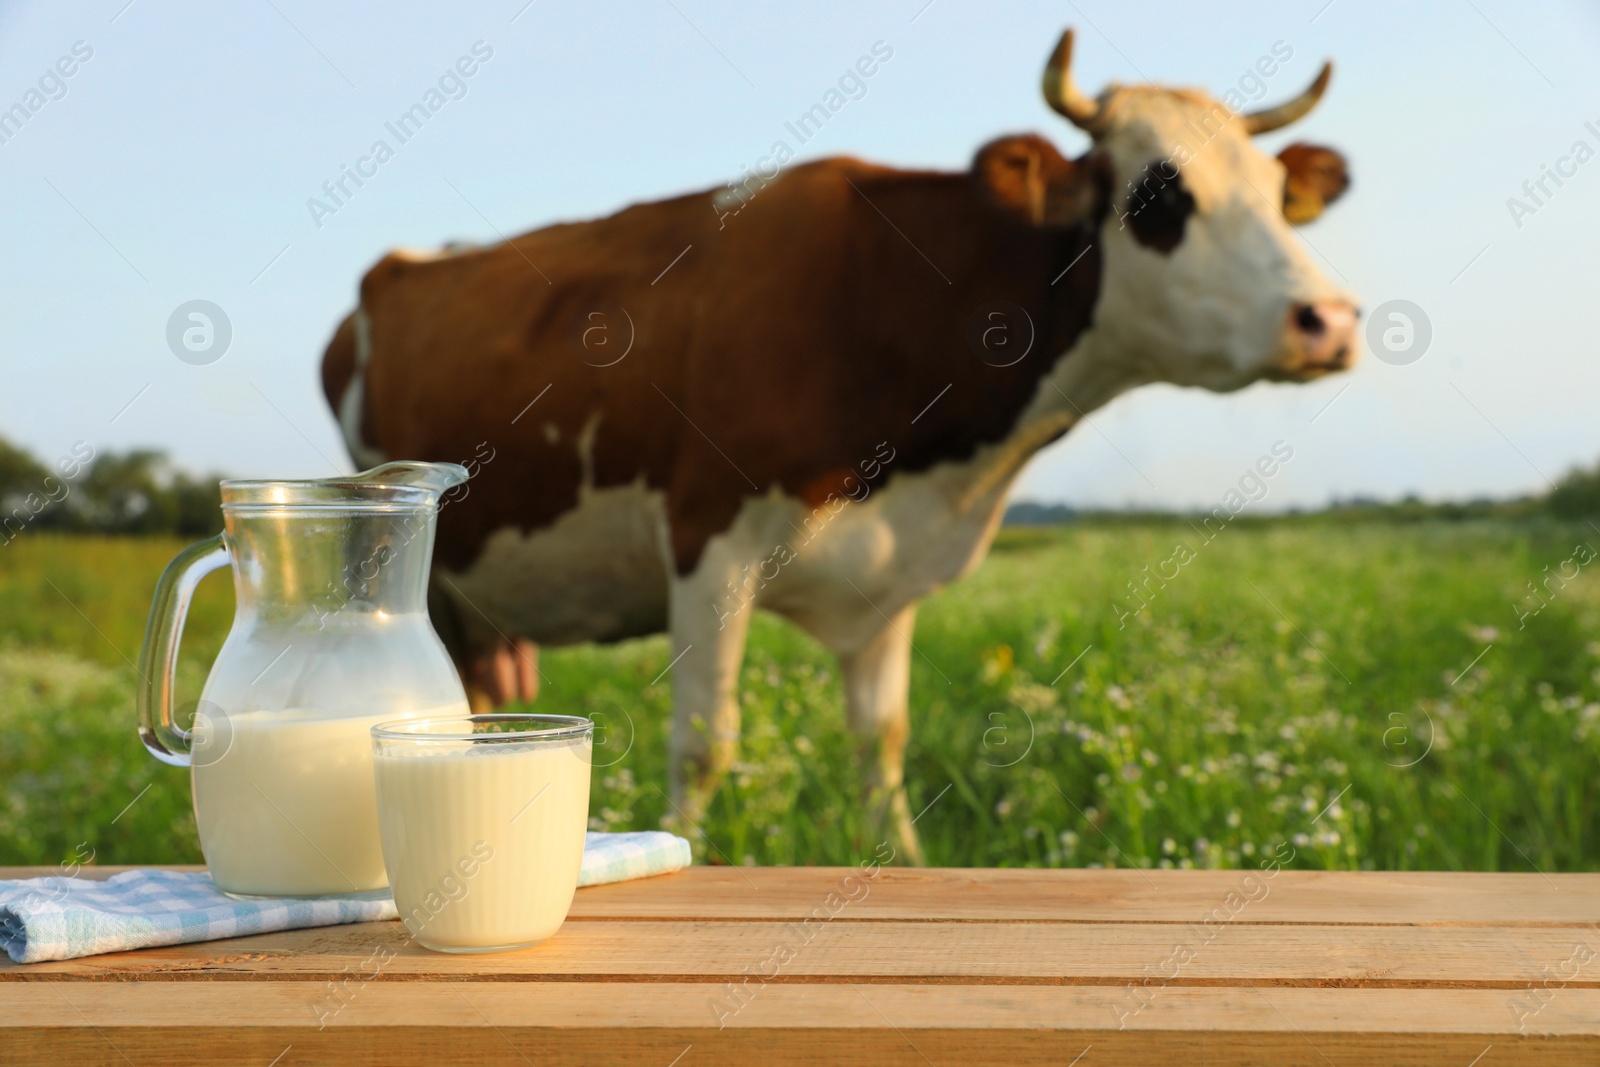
(816, 405)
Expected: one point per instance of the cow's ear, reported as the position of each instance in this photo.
(1317, 177)
(1026, 177)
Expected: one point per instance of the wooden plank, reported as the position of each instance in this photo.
(1320, 897)
(158, 1023)
(904, 967)
(734, 894)
(895, 951)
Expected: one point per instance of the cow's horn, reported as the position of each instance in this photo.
(1276, 118)
(1061, 94)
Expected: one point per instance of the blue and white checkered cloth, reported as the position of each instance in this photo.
(622, 857)
(61, 918)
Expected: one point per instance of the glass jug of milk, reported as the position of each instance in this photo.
(330, 636)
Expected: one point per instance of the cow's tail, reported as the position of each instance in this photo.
(344, 369)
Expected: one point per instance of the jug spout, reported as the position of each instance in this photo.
(432, 477)
(402, 484)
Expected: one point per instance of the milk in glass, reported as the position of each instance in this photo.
(483, 841)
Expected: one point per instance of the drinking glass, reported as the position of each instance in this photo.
(482, 820)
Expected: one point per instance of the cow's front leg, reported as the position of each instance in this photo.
(877, 688)
(709, 617)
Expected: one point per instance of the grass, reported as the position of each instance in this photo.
(1360, 693)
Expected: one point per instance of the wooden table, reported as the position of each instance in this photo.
(765, 966)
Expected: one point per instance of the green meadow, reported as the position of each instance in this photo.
(1367, 694)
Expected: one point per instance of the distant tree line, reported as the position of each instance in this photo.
(1575, 496)
(89, 491)
(141, 492)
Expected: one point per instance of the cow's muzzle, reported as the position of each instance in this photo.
(1321, 338)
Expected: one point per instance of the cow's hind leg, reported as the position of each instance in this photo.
(877, 689)
(506, 672)
(708, 625)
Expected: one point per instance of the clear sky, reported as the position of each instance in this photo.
(176, 162)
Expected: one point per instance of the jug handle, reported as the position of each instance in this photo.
(158, 660)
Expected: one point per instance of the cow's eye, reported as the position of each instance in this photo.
(1158, 207)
